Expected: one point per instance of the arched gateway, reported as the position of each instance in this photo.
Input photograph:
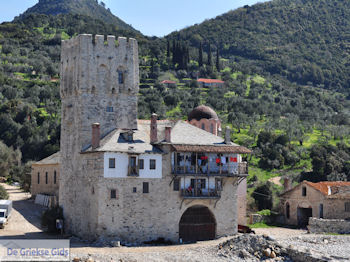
(197, 223)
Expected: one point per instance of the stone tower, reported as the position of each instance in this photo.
(99, 83)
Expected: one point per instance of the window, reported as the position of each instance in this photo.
(176, 184)
(46, 178)
(218, 184)
(203, 126)
(54, 177)
(109, 109)
(38, 178)
(212, 128)
(120, 77)
(145, 187)
(113, 194)
(303, 191)
(347, 207)
(112, 163)
(200, 183)
(287, 210)
(321, 210)
(152, 164)
(134, 190)
(141, 164)
(132, 166)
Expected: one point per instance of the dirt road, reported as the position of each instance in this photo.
(24, 222)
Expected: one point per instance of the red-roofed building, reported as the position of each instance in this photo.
(168, 83)
(205, 82)
(329, 200)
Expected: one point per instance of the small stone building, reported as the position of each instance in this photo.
(137, 180)
(45, 176)
(329, 200)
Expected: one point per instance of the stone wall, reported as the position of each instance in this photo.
(49, 188)
(319, 225)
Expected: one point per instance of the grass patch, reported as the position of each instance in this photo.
(258, 79)
(261, 225)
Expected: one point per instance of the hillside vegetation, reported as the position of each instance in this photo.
(89, 8)
(305, 41)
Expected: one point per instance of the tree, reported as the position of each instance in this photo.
(263, 196)
(200, 54)
(209, 56)
(217, 60)
(168, 49)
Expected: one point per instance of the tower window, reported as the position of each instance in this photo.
(54, 177)
(38, 178)
(113, 194)
(120, 77)
(46, 178)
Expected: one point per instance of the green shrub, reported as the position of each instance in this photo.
(265, 212)
(3, 193)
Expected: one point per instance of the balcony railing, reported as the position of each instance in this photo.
(200, 193)
(217, 170)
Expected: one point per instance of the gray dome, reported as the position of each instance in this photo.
(201, 112)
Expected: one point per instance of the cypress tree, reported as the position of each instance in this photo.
(200, 55)
(168, 49)
(217, 59)
(209, 56)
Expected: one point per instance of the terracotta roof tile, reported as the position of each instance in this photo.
(323, 186)
(210, 81)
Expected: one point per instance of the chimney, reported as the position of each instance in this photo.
(95, 141)
(167, 134)
(228, 135)
(153, 133)
(286, 184)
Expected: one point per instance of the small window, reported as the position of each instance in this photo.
(287, 210)
(134, 190)
(203, 126)
(46, 178)
(38, 178)
(113, 194)
(120, 77)
(176, 184)
(55, 177)
(112, 163)
(109, 109)
(304, 191)
(212, 128)
(141, 164)
(152, 164)
(132, 166)
(321, 211)
(218, 184)
(347, 207)
(145, 187)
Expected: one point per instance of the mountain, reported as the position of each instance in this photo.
(305, 41)
(89, 8)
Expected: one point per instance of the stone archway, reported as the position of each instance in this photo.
(196, 224)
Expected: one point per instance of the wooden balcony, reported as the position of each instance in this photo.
(201, 194)
(223, 170)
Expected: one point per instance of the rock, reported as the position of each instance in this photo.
(273, 254)
(325, 241)
(231, 246)
(267, 252)
(90, 260)
(115, 243)
(76, 259)
(244, 254)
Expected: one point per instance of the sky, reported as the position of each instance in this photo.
(151, 17)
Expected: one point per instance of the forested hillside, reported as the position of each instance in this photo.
(91, 8)
(306, 41)
(284, 63)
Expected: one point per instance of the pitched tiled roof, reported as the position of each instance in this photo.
(184, 137)
(168, 82)
(50, 160)
(210, 81)
(323, 187)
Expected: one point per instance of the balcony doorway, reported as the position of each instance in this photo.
(197, 224)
